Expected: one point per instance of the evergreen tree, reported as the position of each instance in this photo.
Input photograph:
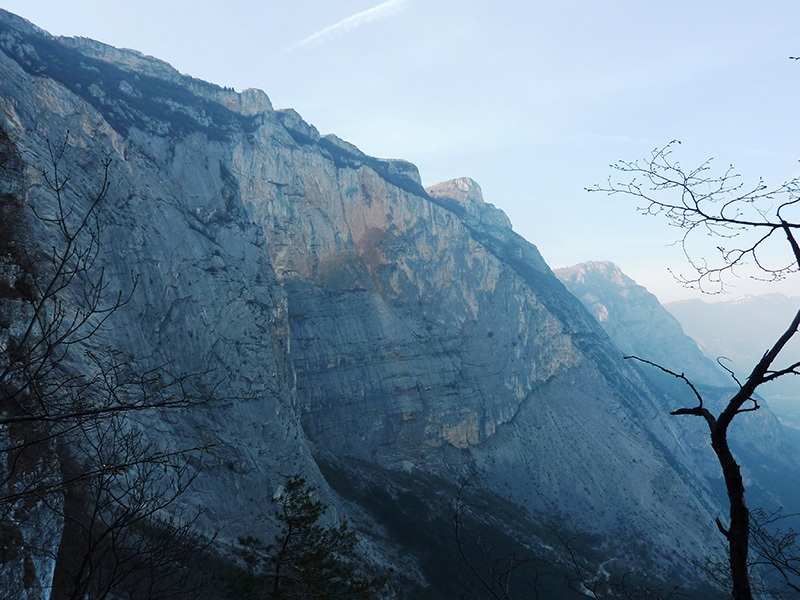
(307, 561)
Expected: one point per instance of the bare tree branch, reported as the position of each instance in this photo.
(720, 206)
(66, 427)
(745, 220)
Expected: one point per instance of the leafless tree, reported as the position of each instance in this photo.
(492, 568)
(777, 551)
(747, 223)
(67, 402)
(774, 556)
(121, 537)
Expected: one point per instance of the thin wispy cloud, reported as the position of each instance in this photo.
(371, 15)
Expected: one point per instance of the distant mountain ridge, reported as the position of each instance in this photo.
(741, 330)
(641, 326)
(636, 320)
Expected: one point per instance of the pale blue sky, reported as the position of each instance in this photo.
(531, 99)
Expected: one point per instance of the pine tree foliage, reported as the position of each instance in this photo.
(308, 560)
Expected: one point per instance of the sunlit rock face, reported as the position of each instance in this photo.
(395, 321)
(334, 303)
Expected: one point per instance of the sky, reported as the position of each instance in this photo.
(533, 100)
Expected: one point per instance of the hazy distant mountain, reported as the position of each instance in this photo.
(741, 330)
(636, 320)
(640, 325)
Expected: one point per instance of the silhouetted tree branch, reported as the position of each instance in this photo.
(777, 550)
(65, 414)
(121, 535)
(747, 220)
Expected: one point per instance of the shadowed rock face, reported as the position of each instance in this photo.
(343, 307)
(29, 530)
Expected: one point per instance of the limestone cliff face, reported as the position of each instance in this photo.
(342, 307)
(30, 529)
(206, 296)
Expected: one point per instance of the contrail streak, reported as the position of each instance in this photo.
(376, 13)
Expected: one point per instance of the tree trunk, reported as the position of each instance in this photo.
(738, 532)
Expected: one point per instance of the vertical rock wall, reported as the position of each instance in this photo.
(333, 303)
(30, 525)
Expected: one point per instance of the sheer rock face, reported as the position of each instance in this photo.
(339, 304)
(30, 529)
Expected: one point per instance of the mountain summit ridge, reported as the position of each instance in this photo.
(347, 313)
